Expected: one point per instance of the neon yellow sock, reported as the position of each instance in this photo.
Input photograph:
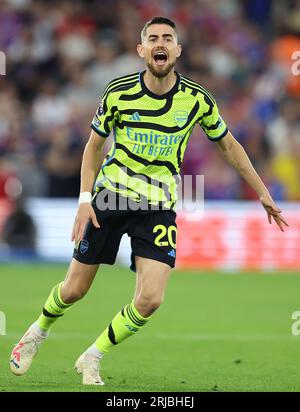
(126, 323)
(54, 308)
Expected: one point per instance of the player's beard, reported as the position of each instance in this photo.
(161, 72)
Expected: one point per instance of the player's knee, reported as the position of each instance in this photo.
(146, 304)
(71, 295)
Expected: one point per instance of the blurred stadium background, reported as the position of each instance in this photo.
(59, 57)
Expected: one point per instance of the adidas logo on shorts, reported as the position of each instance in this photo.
(172, 253)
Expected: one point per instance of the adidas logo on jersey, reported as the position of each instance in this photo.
(135, 117)
(172, 253)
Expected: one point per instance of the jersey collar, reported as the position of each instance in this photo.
(159, 96)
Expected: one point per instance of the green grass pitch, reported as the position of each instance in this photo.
(214, 332)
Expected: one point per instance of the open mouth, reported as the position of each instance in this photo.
(160, 57)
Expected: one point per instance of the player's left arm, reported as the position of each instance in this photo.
(236, 156)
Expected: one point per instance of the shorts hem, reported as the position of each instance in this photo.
(93, 263)
(157, 258)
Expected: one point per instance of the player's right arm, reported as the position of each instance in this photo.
(102, 124)
(89, 168)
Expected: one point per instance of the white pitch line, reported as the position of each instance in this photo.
(175, 336)
(227, 337)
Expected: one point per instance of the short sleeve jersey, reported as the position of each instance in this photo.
(151, 133)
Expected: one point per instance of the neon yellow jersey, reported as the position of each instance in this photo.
(151, 133)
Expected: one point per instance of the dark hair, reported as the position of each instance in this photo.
(158, 20)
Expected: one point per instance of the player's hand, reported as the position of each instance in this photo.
(273, 211)
(85, 213)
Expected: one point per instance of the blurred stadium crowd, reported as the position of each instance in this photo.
(61, 54)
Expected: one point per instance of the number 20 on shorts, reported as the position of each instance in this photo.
(165, 235)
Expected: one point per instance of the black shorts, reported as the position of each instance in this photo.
(153, 236)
